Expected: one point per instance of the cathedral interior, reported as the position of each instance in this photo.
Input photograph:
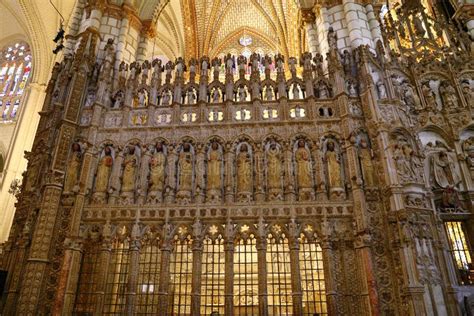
(244, 157)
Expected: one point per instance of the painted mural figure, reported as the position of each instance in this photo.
(104, 170)
(73, 167)
(157, 169)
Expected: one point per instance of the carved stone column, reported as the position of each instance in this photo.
(318, 171)
(329, 276)
(289, 184)
(104, 263)
(229, 268)
(259, 174)
(229, 157)
(166, 249)
(170, 186)
(309, 20)
(133, 268)
(200, 182)
(197, 268)
(297, 293)
(262, 269)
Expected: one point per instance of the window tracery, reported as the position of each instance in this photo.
(15, 70)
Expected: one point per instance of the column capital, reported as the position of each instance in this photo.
(308, 16)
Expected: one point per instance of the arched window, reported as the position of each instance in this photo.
(15, 69)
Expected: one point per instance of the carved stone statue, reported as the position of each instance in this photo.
(244, 171)
(204, 65)
(296, 91)
(332, 39)
(318, 65)
(185, 165)
(333, 166)
(103, 171)
(157, 169)
(351, 88)
(429, 96)
(214, 170)
(448, 95)
(468, 94)
(274, 171)
(408, 165)
(304, 169)
(468, 148)
(365, 158)
(444, 173)
(381, 90)
(216, 95)
(242, 93)
(268, 93)
(129, 175)
(73, 168)
(410, 97)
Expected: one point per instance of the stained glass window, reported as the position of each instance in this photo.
(15, 69)
(460, 250)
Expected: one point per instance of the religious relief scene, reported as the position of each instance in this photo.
(210, 157)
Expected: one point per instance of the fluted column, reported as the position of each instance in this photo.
(262, 269)
(104, 262)
(297, 293)
(163, 289)
(197, 248)
(229, 268)
(133, 268)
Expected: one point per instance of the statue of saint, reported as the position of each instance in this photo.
(214, 164)
(274, 167)
(443, 171)
(185, 165)
(103, 171)
(303, 166)
(244, 170)
(157, 169)
(73, 167)
(129, 170)
(334, 166)
(365, 158)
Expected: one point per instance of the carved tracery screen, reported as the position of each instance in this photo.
(246, 277)
(88, 275)
(148, 278)
(15, 69)
(279, 276)
(312, 277)
(181, 277)
(213, 276)
(115, 298)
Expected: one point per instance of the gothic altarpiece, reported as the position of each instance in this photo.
(163, 189)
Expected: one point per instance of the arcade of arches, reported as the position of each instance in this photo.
(244, 157)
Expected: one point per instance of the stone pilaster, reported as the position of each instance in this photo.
(296, 291)
(197, 248)
(163, 290)
(104, 263)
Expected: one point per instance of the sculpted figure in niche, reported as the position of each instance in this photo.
(333, 166)
(381, 90)
(214, 174)
(296, 91)
(157, 168)
(410, 97)
(408, 165)
(365, 158)
(130, 164)
(448, 95)
(103, 171)
(244, 171)
(73, 167)
(274, 171)
(304, 169)
(468, 147)
(185, 165)
(443, 171)
(268, 93)
(468, 93)
(429, 96)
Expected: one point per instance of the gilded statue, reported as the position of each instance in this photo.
(130, 164)
(333, 166)
(185, 165)
(274, 170)
(104, 170)
(303, 166)
(365, 158)
(157, 168)
(73, 168)
(214, 163)
(244, 170)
